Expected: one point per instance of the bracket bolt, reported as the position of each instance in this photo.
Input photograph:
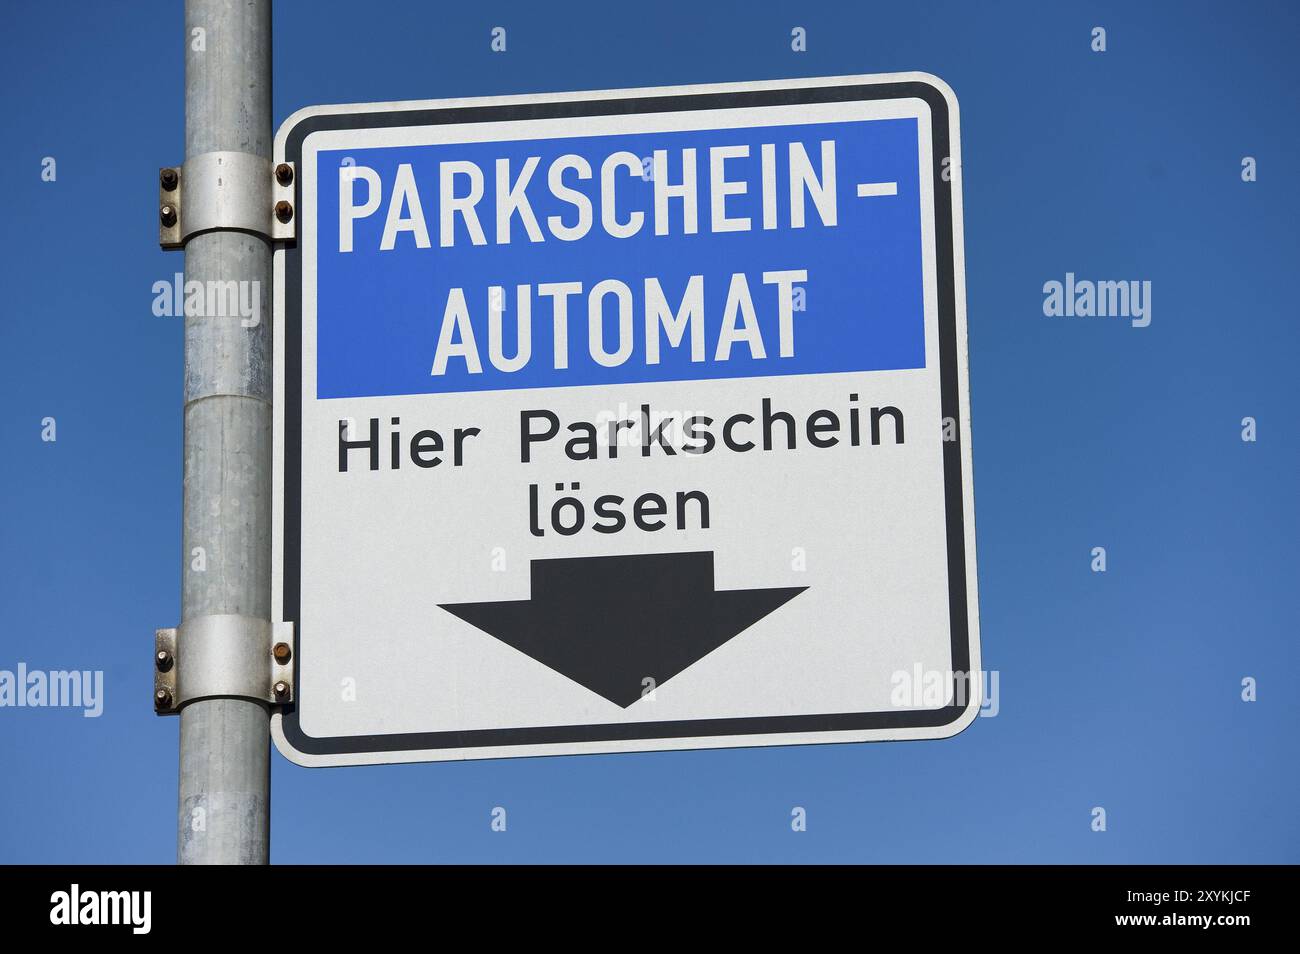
(167, 215)
(284, 173)
(283, 211)
(162, 699)
(281, 652)
(168, 179)
(281, 690)
(164, 660)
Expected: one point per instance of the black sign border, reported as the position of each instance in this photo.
(415, 742)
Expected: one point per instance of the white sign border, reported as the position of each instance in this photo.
(284, 730)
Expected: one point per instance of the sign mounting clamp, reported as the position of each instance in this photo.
(226, 191)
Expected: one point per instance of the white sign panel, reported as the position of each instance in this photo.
(625, 420)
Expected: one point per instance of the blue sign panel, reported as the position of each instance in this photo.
(589, 260)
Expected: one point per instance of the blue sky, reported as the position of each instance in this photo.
(1120, 690)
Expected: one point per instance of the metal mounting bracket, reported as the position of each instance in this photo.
(226, 191)
(222, 655)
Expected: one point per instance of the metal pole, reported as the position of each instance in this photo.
(224, 806)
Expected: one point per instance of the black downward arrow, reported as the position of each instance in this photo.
(610, 622)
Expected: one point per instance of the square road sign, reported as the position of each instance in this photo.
(625, 420)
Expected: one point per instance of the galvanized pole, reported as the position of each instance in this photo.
(224, 808)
